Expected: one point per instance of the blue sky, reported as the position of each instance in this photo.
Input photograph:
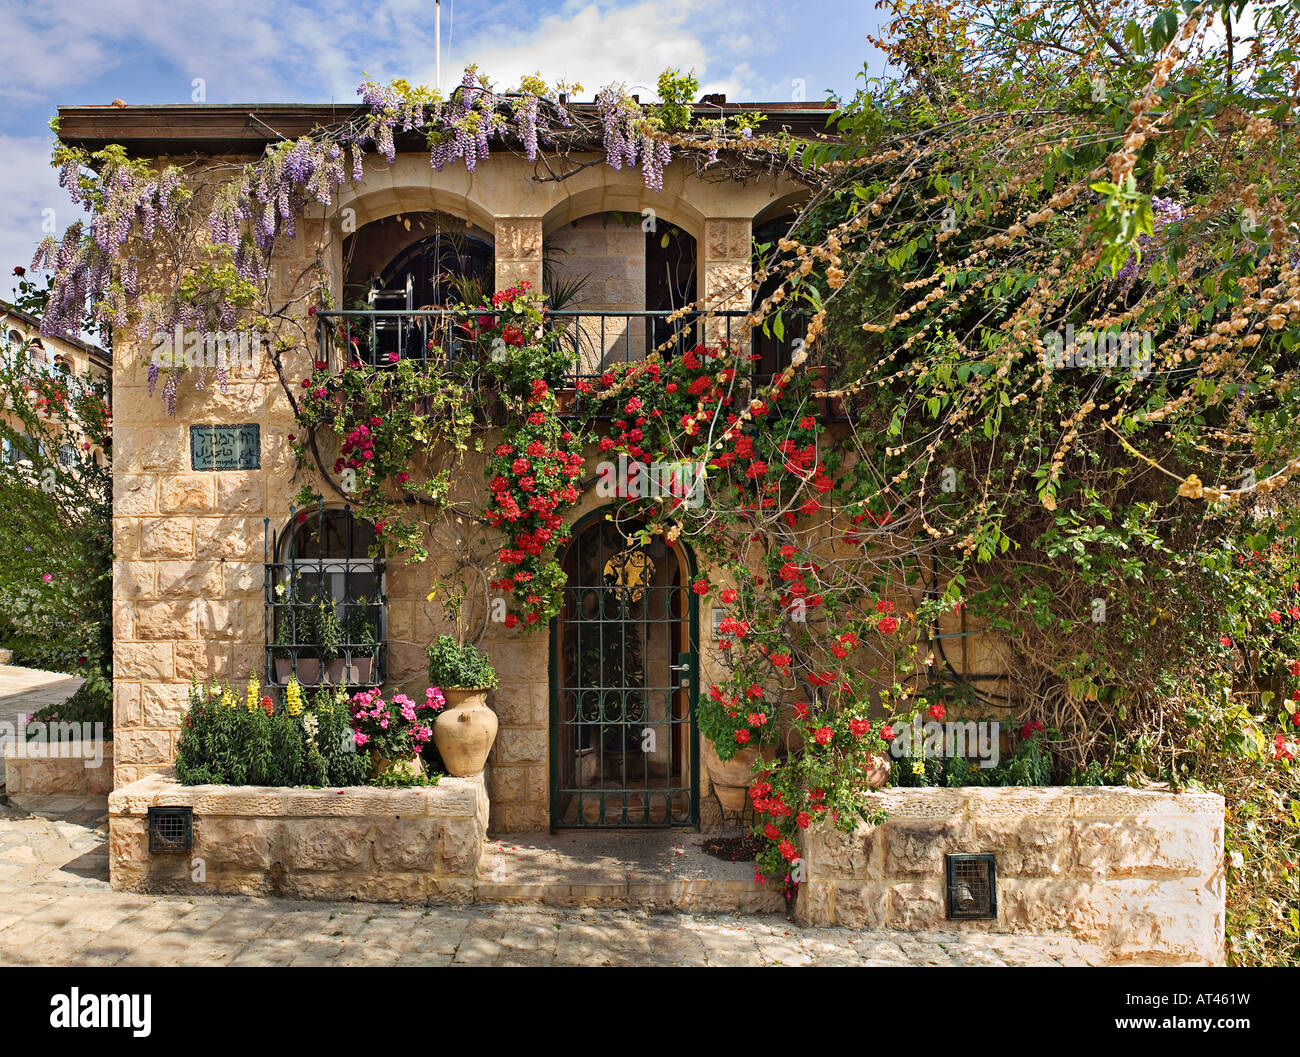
(145, 51)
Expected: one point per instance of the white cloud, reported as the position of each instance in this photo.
(251, 51)
(28, 186)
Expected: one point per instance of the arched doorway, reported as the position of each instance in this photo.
(624, 672)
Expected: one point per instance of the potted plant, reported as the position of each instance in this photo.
(737, 734)
(328, 636)
(295, 650)
(394, 731)
(465, 730)
(362, 644)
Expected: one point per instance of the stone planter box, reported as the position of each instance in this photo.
(380, 845)
(38, 768)
(1137, 873)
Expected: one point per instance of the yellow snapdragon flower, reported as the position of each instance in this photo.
(293, 697)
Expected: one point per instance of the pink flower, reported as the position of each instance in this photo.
(47, 577)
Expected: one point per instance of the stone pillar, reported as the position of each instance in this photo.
(724, 268)
(518, 247)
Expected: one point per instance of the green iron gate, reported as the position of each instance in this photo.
(624, 750)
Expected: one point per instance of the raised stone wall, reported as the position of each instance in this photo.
(384, 845)
(1138, 873)
(71, 769)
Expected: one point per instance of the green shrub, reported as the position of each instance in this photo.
(92, 703)
(228, 741)
(460, 665)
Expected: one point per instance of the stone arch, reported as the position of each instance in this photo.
(623, 197)
(410, 185)
(785, 204)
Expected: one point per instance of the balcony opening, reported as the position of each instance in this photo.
(417, 261)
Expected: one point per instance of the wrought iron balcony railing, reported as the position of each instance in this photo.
(595, 341)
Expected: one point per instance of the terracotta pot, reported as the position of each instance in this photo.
(308, 671)
(464, 731)
(334, 671)
(731, 778)
(877, 770)
(360, 671)
(411, 768)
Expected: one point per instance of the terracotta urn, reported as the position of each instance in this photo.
(731, 778)
(464, 731)
(877, 770)
(410, 768)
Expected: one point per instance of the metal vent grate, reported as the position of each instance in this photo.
(972, 886)
(171, 829)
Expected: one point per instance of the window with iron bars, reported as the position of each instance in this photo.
(325, 600)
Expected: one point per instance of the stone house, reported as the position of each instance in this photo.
(49, 354)
(200, 543)
(205, 534)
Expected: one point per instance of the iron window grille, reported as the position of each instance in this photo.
(323, 558)
(972, 886)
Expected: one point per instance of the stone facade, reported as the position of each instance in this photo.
(30, 768)
(1138, 873)
(188, 545)
(381, 845)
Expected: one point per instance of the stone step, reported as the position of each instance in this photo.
(648, 870)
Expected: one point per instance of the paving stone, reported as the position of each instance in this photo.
(59, 909)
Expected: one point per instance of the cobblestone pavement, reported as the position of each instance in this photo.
(56, 909)
(24, 690)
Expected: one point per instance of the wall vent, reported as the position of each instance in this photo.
(171, 829)
(972, 886)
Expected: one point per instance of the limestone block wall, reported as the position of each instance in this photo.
(725, 268)
(610, 253)
(187, 544)
(1138, 873)
(64, 768)
(383, 845)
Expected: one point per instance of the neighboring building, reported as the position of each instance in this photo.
(198, 551)
(71, 356)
